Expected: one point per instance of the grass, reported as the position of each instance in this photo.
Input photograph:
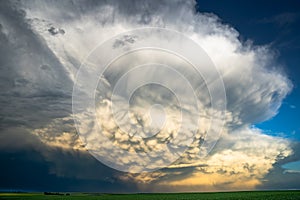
(265, 195)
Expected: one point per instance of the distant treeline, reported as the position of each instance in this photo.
(55, 193)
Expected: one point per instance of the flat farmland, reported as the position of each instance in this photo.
(264, 195)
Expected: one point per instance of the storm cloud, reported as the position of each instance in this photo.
(42, 46)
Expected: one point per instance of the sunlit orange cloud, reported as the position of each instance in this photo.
(58, 135)
(240, 162)
(212, 182)
(193, 182)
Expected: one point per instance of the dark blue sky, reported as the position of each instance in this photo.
(275, 23)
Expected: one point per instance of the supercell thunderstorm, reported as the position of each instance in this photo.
(68, 33)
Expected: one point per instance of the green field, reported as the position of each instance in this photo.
(264, 195)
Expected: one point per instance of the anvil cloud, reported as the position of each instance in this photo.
(44, 43)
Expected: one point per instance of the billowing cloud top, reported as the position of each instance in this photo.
(69, 31)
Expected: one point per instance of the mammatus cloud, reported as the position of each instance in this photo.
(240, 160)
(254, 87)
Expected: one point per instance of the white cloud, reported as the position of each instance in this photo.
(254, 88)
